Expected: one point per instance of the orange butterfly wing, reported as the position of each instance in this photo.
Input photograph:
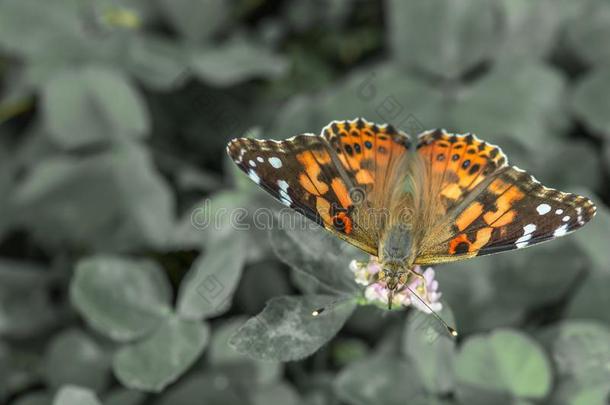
(485, 206)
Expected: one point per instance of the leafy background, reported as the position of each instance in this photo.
(115, 289)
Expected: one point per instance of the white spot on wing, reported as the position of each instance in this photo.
(252, 174)
(283, 185)
(566, 218)
(522, 241)
(562, 230)
(529, 228)
(260, 159)
(543, 209)
(559, 211)
(252, 163)
(527, 235)
(240, 158)
(285, 198)
(275, 162)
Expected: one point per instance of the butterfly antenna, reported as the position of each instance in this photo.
(451, 330)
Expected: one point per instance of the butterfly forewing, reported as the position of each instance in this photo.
(508, 209)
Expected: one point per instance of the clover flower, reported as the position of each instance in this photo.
(377, 293)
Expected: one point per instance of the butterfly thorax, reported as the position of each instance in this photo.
(395, 248)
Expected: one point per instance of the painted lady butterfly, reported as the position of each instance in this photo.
(443, 198)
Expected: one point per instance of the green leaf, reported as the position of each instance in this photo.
(158, 63)
(209, 388)
(587, 32)
(31, 29)
(196, 20)
(207, 290)
(73, 395)
(579, 350)
(60, 192)
(235, 62)
(73, 358)
(121, 298)
(442, 37)
(589, 101)
(287, 330)
(530, 29)
(382, 379)
(92, 105)
(488, 108)
(309, 249)
(502, 365)
(221, 355)
(431, 349)
(160, 359)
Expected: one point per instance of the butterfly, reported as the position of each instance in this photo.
(438, 198)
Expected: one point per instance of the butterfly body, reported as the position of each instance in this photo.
(438, 198)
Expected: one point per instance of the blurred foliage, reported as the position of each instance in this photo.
(124, 280)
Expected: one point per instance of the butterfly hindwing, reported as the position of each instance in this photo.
(328, 178)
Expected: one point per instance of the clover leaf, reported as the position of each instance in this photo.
(463, 36)
(93, 105)
(128, 300)
(74, 395)
(288, 330)
(208, 288)
(383, 378)
(157, 361)
(431, 349)
(121, 298)
(504, 365)
(74, 358)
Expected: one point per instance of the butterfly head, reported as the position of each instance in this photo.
(394, 281)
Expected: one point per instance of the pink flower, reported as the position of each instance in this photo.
(377, 292)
